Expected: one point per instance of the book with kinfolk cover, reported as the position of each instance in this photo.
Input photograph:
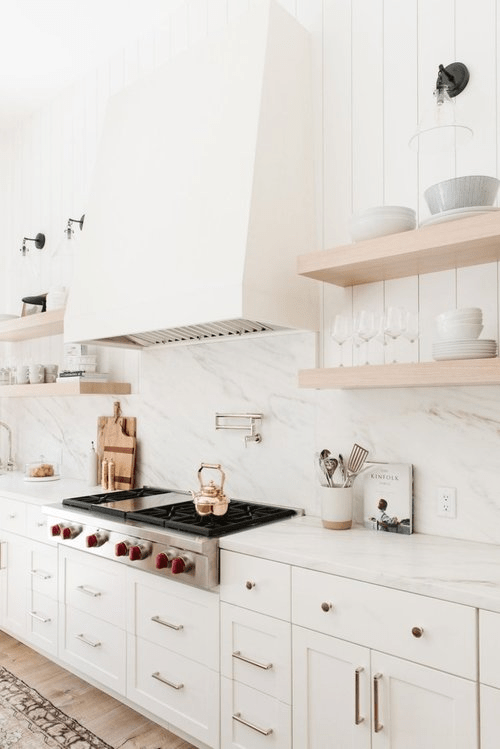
(388, 498)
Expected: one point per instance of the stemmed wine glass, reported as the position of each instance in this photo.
(341, 331)
(411, 328)
(394, 326)
(366, 329)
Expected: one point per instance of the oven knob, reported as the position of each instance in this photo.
(121, 548)
(182, 563)
(96, 539)
(56, 530)
(164, 558)
(71, 531)
(139, 551)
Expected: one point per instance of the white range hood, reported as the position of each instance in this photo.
(202, 195)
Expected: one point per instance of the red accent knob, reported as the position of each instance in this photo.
(178, 565)
(135, 553)
(91, 540)
(161, 561)
(121, 549)
(56, 530)
(66, 533)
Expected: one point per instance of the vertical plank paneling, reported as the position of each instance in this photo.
(477, 287)
(197, 20)
(437, 293)
(403, 292)
(367, 104)
(163, 43)
(369, 297)
(179, 30)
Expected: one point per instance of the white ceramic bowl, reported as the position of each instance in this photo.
(466, 313)
(459, 331)
(462, 192)
(382, 220)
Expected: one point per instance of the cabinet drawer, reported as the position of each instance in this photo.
(489, 652)
(176, 689)
(95, 586)
(387, 620)
(37, 525)
(42, 622)
(177, 617)
(42, 570)
(12, 516)
(256, 650)
(256, 584)
(94, 647)
(251, 720)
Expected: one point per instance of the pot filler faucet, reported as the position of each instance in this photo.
(10, 465)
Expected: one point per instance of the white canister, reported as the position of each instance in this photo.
(336, 507)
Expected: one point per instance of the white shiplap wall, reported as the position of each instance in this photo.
(375, 64)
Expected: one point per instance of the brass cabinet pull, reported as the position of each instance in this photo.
(265, 666)
(326, 606)
(84, 639)
(417, 631)
(157, 676)
(88, 591)
(249, 584)
(263, 731)
(40, 574)
(377, 725)
(357, 717)
(39, 618)
(158, 620)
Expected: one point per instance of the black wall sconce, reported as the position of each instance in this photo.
(451, 80)
(39, 241)
(69, 229)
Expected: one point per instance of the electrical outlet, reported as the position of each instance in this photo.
(447, 502)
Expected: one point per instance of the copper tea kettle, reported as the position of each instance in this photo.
(210, 499)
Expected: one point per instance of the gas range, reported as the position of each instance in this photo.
(156, 530)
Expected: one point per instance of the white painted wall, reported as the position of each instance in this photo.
(375, 65)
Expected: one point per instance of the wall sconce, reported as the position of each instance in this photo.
(39, 241)
(439, 129)
(69, 229)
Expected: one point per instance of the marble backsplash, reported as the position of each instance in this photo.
(451, 435)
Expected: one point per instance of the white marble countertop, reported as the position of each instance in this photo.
(465, 572)
(14, 486)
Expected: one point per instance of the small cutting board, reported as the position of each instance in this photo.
(116, 440)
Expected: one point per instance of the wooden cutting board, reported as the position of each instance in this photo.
(116, 440)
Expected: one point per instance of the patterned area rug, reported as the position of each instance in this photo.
(29, 721)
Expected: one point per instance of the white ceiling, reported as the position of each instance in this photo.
(45, 45)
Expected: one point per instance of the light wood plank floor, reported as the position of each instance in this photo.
(113, 722)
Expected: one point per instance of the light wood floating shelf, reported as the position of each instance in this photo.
(33, 326)
(426, 374)
(57, 389)
(451, 244)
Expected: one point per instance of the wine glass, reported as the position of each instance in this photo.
(340, 331)
(366, 328)
(411, 328)
(394, 326)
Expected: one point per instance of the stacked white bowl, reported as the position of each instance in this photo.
(458, 332)
(381, 220)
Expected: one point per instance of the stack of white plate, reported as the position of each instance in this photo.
(466, 349)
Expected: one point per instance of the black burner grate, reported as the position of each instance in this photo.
(92, 501)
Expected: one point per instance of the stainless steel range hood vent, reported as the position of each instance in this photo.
(203, 195)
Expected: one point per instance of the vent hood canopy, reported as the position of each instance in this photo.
(202, 195)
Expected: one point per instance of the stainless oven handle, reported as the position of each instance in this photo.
(157, 676)
(158, 620)
(265, 666)
(82, 638)
(263, 731)
(88, 591)
(39, 618)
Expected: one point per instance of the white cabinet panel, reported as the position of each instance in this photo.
(489, 699)
(14, 589)
(37, 526)
(489, 648)
(42, 569)
(42, 619)
(257, 584)
(12, 516)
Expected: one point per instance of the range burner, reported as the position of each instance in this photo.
(92, 500)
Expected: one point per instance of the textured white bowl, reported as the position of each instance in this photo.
(456, 315)
(461, 192)
(384, 220)
(459, 332)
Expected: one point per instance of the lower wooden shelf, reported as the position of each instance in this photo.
(456, 372)
(65, 388)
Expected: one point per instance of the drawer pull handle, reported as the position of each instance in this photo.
(84, 639)
(40, 574)
(41, 524)
(265, 666)
(249, 584)
(167, 624)
(378, 726)
(12, 515)
(263, 731)
(88, 591)
(326, 606)
(417, 631)
(157, 676)
(357, 717)
(39, 618)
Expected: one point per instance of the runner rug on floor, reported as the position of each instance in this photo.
(29, 721)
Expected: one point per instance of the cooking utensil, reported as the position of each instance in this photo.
(323, 456)
(342, 468)
(355, 463)
(330, 465)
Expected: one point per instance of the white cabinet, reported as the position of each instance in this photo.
(489, 677)
(42, 607)
(350, 693)
(14, 593)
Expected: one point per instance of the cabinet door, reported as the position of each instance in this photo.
(416, 707)
(490, 717)
(331, 692)
(14, 598)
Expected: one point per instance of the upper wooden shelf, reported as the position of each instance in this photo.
(33, 326)
(451, 244)
(65, 388)
(451, 373)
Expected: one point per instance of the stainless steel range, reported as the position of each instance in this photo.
(157, 530)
